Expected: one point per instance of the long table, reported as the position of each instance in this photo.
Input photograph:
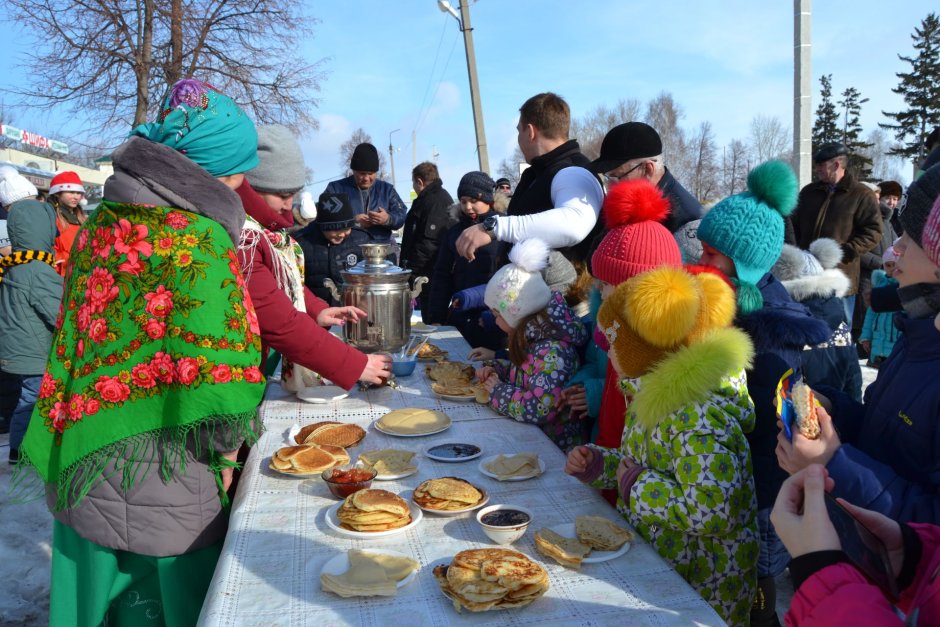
(278, 539)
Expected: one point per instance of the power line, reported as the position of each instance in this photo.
(437, 54)
(423, 116)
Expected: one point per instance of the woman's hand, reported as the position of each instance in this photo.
(377, 370)
(801, 452)
(339, 315)
(579, 459)
(800, 516)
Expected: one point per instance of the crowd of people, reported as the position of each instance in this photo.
(647, 337)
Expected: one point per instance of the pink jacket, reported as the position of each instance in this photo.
(840, 595)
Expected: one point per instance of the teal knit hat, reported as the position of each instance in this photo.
(206, 126)
(748, 227)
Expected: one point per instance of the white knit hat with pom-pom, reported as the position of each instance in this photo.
(518, 288)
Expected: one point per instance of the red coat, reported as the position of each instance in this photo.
(840, 595)
(296, 335)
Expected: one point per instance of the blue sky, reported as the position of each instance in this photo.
(723, 61)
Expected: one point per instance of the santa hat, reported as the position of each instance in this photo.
(14, 186)
(518, 288)
(636, 241)
(66, 182)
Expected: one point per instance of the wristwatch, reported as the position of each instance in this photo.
(489, 226)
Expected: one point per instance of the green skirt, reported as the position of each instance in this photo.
(93, 585)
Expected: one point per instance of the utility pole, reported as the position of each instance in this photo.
(802, 90)
(391, 154)
(464, 21)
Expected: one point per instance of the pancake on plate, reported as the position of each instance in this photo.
(370, 574)
(413, 421)
(447, 494)
(389, 461)
(307, 458)
(333, 433)
(491, 579)
(373, 510)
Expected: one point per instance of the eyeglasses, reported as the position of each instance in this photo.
(615, 179)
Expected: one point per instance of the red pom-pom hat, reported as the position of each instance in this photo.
(66, 182)
(636, 241)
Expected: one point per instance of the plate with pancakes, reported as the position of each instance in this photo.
(449, 496)
(322, 394)
(372, 572)
(589, 540)
(411, 422)
(424, 329)
(431, 352)
(456, 381)
(333, 433)
(390, 463)
(518, 467)
(479, 580)
(373, 513)
(307, 460)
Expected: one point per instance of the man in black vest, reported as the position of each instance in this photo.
(634, 150)
(557, 199)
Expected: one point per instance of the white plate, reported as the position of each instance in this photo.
(456, 512)
(400, 475)
(322, 394)
(332, 522)
(339, 564)
(594, 557)
(484, 462)
(441, 458)
(420, 327)
(378, 427)
(454, 397)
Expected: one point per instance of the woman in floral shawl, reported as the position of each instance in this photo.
(153, 380)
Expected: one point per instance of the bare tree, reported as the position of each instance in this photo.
(705, 163)
(735, 163)
(359, 136)
(770, 139)
(885, 164)
(664, 114)
(111, 60)
(591, 129)
(510, 168)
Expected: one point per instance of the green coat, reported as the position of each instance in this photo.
(695, 501)
(29, 293)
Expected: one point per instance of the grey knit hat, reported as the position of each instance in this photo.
(476, 185)
(560, 273)
(280, 162)
(917, 203)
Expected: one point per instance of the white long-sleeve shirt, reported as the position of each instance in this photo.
(577, 197)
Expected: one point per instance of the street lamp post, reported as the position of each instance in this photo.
(463, 19)
(391, 154)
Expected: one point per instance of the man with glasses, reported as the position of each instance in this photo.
(504, 186)
(557, 199)
(634, 150)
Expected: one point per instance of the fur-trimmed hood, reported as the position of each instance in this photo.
(781, 324)
(813, 273)
(692, 374)
(826, 285)
(148, 173)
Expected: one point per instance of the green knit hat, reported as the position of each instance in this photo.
(748, 227)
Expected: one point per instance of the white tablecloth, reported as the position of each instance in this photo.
(278, 539)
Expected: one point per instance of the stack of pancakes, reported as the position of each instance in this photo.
(332, 433)
(308, 458)
(491, 579)
(373, 510)
(447, 494)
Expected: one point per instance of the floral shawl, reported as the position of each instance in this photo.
(156, 338)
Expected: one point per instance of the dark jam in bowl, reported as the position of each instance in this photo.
(454, 451)
(504, 518)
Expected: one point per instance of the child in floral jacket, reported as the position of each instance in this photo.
(684, 467)
(544, 338)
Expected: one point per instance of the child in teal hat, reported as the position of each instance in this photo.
(742, 236)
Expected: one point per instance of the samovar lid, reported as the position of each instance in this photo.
(375, 261)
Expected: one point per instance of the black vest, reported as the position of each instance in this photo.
(533, 194)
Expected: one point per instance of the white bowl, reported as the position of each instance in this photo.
(504, 534)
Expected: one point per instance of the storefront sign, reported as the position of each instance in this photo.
(32, 139)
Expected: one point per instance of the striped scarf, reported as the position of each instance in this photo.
(25, 256)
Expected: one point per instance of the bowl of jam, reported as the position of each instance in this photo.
(504, 524)
(348, 478)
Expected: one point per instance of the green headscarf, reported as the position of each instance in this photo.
(156, 342)
(206, 126)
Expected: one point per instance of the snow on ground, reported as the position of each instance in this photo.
(26, 550)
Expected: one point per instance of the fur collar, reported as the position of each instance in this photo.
(691, 374)
(179, 181)
(825, 285)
